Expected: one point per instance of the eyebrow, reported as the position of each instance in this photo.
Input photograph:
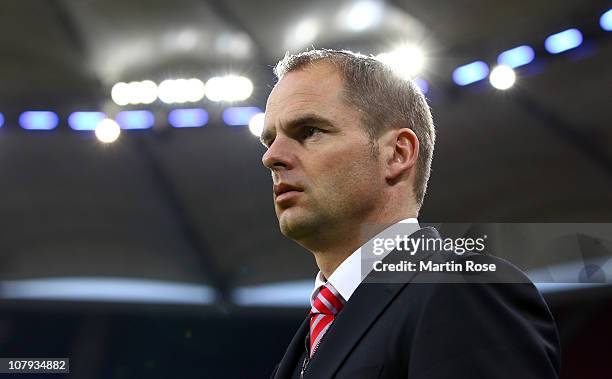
(308, 119)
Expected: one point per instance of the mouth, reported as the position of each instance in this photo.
(284, 192)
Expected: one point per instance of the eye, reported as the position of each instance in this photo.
(311, 131)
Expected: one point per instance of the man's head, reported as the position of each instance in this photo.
(353, 139)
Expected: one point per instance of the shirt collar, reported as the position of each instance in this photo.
(347, 276)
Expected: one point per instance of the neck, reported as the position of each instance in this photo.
(330, 252)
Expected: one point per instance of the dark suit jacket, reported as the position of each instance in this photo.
(426, 329)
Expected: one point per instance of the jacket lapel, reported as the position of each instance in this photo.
(363, 308)
(294, 351)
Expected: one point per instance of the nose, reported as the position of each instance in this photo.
(278, 156)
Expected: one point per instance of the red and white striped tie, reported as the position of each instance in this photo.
(327, 303)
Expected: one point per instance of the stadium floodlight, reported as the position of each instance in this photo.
(516, 57)
(239, 116)
(363, 15)
(256, 124)
(228, 88)
(181, 90)
(194, 89)
(120, 93)
(144, 92)
(137, 119)
(120, 290)
(38, 120)
(563, 41)
(304, 33)
(605, 21)
(168, 91)
(470, 73)
(188, 118)
(407, 60)
(107, 131)
(422, 84)
(85, 120)
(502, 77)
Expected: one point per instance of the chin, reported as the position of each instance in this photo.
(295, 226)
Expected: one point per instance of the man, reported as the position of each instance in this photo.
(350, 145)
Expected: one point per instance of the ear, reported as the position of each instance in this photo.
(405, 151)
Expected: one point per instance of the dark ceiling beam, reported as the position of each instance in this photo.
(77, 40)
(191, 233)
(576, 136)
(69, 26)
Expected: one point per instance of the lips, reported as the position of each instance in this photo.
(282, 188)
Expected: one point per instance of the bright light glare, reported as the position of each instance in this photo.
(256, 124)
(107, 131)
(363, 15)
(406, 61)
(181, 90)
(167, 92)
(239, 116)
(120, 93)
(470, 73)
(516, 57)
(144, 92)
(502, 77)
(125, 290)
(188, 118)
(228, 88)
(284, 294)
(135, 119)
(305, 32)
(85, 120)
(237, 45)
(605, 21)
(194, 89)
(38, 120)
(422, 84)
(215, 89)
(563, 41)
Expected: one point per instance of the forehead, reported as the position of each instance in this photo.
(312, 89)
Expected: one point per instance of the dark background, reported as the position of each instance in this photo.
(194, 206)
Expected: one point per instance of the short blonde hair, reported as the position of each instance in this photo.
(385, 99)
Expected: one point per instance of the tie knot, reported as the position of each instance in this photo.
(327, 301)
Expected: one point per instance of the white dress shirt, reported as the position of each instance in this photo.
(347, 277)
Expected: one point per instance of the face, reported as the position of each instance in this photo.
(324, 174)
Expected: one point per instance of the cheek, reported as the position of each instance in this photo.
(346, 176)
